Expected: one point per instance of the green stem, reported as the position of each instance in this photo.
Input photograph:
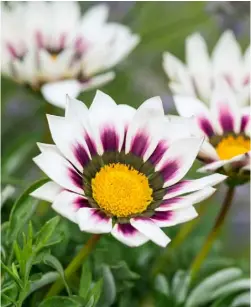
(183, 233)
(195, 267)
(74, 264)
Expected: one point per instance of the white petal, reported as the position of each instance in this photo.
(225, 111)
(171, 218)
(55, 92)
(48, 147)
(150, 230)
(100, 101)
(97, 81)
(128, 235)
(66, 205)
(59, 170)
(178, 159)
(153, 103)
(181, 202)
(47, 192)
(188, 186)
(211, 167)
(93, 221)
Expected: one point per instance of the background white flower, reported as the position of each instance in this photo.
(118, 170)
(198, 76)
(46, 42)
(226, 127)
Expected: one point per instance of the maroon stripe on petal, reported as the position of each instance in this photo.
(81, 202)
(169, 170)
(139, 144)
(176, 187)
(226, 120)
(244, 122)
(91, 145)
(170, 201)
(206, 126)
(162, 215)
(76, 178)
(99, 215)
(110, 139)
(127, 229)
(158, 152)
(81, 155)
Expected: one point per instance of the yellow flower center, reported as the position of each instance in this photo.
(230, 147)
(54, 56)
(121, 190)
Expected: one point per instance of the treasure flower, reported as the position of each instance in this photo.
(50, 47)
(118, 170)
(226, 127)
(198, 76)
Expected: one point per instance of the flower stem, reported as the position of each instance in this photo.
(195, 267)
(74, 264)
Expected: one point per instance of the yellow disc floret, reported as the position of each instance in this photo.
(230, 147)
(121, 190)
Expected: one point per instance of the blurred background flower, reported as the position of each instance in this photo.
(45, 42)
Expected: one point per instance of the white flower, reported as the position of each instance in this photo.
(118, 170)
(44, 43)
(198, 76)
(226, 127)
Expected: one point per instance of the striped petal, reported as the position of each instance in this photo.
(128, 235)
(93, 221)
(47, 192)
(180, 202)
(68, 203)
(171, 218)
(188, 186)
(147, 227)
(59, 170)
(178, 159)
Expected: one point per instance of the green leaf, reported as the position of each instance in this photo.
(9, 292)
(45, 233)
(230, 288)
(86, 279)
(109, 286)
(96, 291)
(242, 299)
(53, 262)
(22, 210)
(202, 293)
(161, 285)
(44, 280)
(180, 286)
(12, 274)
(90, 303)
(61, 301)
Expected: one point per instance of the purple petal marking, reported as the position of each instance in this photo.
(76, 178)
(139, 144)
(169, 169)
(244, 122)
(226, 120)
(81, 155)
(176, 187)
(206, 126)
(99, 215)
(39, 39)
(127, 229)
(162, 215)
(158, 152)
(110, 139)
(81, 202)
(246, 80)
(166, 202)
(91, 145)
(62, 40)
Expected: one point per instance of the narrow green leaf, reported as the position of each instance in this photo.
(14, 277)
(53, 262)
(109, 286)
(241, 300)
(46, 232)
(161, 285)
(44, 280)
(22, 210)
(230, 288)
(96, 291)
(86, 279)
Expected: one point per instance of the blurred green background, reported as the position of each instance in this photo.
(163, 26)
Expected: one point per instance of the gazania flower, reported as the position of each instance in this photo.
(226, 127)
(118, 170)
(197, 78)
(47, 42)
